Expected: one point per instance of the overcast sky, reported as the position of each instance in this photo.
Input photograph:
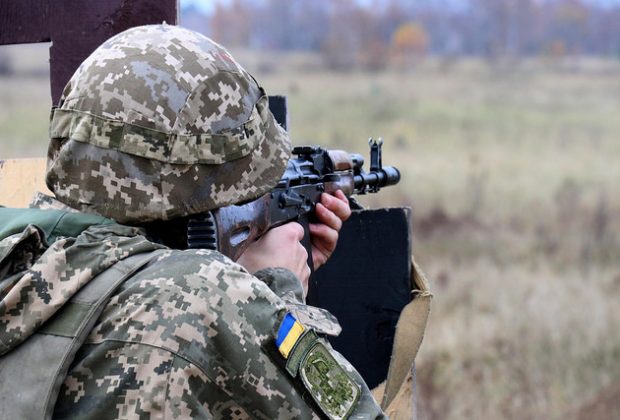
(206, 6)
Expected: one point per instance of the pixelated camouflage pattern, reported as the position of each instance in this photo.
(17, 253)
(161, 122)
(318, 319)
(45, 202)
(37, 280)
(192, 335)
(283, 283)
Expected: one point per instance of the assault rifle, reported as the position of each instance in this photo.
(315, 170)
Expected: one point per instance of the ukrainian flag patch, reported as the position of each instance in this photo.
(289, 332)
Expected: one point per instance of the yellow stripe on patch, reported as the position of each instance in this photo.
(291, 338)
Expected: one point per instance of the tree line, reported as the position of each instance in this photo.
(370, 33)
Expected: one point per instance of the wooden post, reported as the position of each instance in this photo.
(76, 27)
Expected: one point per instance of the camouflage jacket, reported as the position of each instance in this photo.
(191, 335)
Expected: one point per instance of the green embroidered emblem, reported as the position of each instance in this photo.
(303, 345)
(329, 384)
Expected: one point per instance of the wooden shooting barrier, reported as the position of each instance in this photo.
(76, 27)
(20, 179)
(366, 283)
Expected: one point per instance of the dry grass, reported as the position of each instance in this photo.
(517, 342)
(512, 173)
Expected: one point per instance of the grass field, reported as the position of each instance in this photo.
(513, 176)
(512, 172)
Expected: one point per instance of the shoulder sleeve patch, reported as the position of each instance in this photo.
(319, 319)
(335, 392)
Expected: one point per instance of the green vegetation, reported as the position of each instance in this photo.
(512, 171)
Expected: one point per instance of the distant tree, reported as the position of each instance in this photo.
(340, 45)
(571, 23)
(374, 56)
(362, 33)
(231, 24)
(353, 38)
(276, 24)
(373, 53)
(409, 45)
(311, 23)
(556, 49)
(410, 38)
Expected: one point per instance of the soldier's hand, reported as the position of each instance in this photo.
(331, 212)
(279, 247)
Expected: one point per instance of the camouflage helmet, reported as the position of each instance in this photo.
(161, 122)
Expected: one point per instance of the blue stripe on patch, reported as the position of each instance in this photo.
(285, 327)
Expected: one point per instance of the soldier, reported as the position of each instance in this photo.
(158, 124)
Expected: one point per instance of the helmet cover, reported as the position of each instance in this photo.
(160, 122)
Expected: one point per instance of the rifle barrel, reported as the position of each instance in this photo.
(374, 181)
